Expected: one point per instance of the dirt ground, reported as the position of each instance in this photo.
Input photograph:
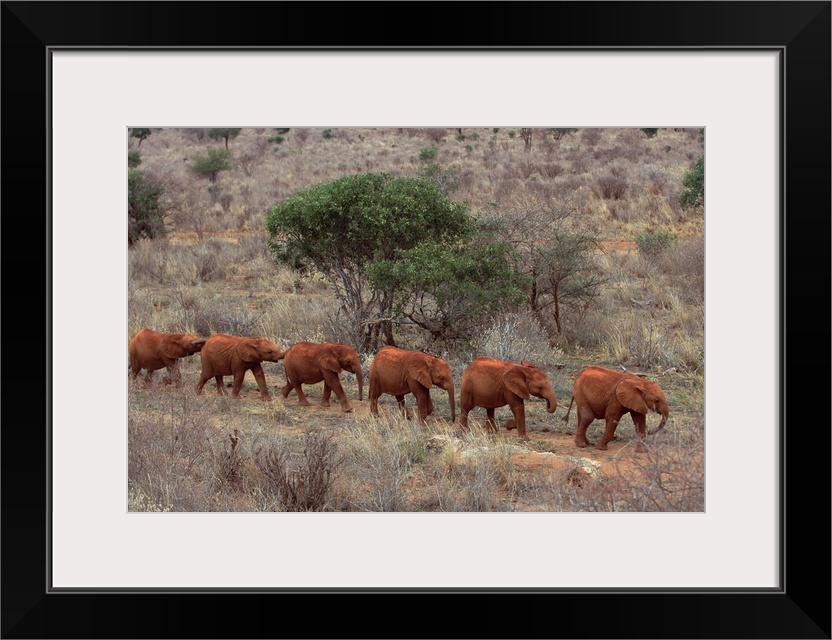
(546, 434)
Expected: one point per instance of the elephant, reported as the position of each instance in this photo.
(313, 362)
(400, 371)
(152, 350)
(226, 355)
(491, 383)
(606, 394)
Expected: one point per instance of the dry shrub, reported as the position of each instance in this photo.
(552, 169)
(685, 265)
(167, 450)
(515, 337)
(147, 260)
(476, 478)
(301, 482)
(223, 317)
(435, 134)
(610, 187)
(590, 137)
(380, 456)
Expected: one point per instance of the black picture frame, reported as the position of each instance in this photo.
(800, 608)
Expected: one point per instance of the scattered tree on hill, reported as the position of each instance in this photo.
(145, 210)
(141, 134)
(363, 232)
(558, 249)
(222, 134)
(209, 166)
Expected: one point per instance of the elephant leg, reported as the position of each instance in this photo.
(331, 379)
(199, 385)
(238, 383)
(287, 389)
(463, 418)
(403, 407)
(325, 396)
(609, 433)
(585, 418)
(423, 403)
(373, 403)
(302, 399)
(220, 386)
(148, 378)
(430, 404)
(489, 420)
(257, 370)
(640, 421)
(519, 420)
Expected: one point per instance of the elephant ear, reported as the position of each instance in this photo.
(329, 361)
(422, 375)
(247, 350)
(172, 349)
(630, 393)
(515, 381)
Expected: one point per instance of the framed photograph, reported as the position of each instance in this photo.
(747, 83)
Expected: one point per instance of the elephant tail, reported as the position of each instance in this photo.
(566, 417)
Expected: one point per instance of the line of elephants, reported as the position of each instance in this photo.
(489, 383)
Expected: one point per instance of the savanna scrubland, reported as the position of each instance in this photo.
(608, 241)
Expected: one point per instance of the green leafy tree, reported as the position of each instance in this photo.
(342, 227)
(222, 134)
(450, 289)
(145, 209)
(209, 166)
(694, 183)
(141, 134)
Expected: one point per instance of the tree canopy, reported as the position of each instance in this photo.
(223, 134)
(145, 211)
(374, 236)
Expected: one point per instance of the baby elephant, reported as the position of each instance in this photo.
(607, 394)
(492, 383)
(400, 371)
(225, 355)
(152, 350)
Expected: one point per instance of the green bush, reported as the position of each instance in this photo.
(327, 133)
(426, 154)
(210, 165)
(694, 183)
(652, 243)
(134, 159)
(275, 139)
(145, 211)
(650, 132)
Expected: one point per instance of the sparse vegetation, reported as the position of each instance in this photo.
(594, 217)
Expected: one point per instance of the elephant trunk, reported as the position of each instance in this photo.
(551, 404)
(664, 414)
(359, 374)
